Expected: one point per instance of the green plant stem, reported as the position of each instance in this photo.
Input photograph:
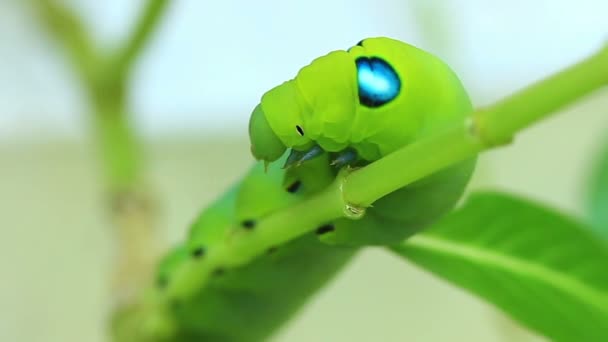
(143, 29)
(355, 190)
(64, 25)
(119, 150)
(105, 79)
(500, 121)
(365, 186)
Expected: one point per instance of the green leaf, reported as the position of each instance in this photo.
(544, 270)
(598, 195)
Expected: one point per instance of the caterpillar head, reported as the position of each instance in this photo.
(265, 144)
(288, 115)
(375, 97)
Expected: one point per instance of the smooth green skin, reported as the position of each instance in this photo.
(323, 100)
(248, 303)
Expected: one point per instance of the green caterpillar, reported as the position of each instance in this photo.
(360, 105)
(348, 107)
(374, 98)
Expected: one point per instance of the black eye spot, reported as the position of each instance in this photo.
(271, 250)
(325, 229)
(293, 187)
(219, 271)
(198, 252)
(377, 80)
(359, 43)
(248, 224)
(300, 130)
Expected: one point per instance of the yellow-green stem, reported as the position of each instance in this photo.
(147, 22)
(119, 151)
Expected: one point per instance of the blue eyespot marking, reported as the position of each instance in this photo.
(378, 81)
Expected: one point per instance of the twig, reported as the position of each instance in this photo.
(131, 206)
(145, 26)
(66, 27)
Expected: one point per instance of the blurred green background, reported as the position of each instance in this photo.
(192, 94)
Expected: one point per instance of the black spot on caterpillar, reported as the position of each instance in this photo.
(198, 252)
(248, 224)
(293, 187)
(324, 229)
(219, 271)
(300, 130)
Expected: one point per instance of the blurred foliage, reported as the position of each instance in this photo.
(545, 270)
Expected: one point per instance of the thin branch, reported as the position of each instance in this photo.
(143, 29)
(500, 121)
(106, 84)
(131, 205)
(67, 28)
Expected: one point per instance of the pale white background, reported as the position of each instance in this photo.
(212, 60)
(193, 92)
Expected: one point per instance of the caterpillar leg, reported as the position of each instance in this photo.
(296, 158)
(346, 157)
